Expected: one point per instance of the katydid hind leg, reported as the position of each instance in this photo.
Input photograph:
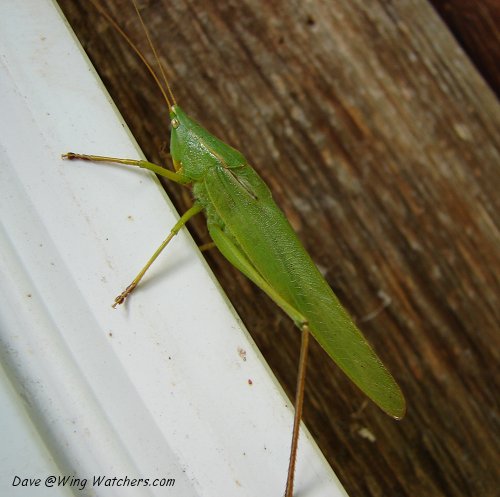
(195, 209)
(299, 403)
(241, 262)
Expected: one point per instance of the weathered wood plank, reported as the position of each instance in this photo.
(476, 26)
(380, 142)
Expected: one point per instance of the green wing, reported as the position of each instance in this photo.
(247, 214)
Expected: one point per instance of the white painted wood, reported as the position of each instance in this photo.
(157, 388)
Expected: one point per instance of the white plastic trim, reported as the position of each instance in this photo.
(158, 388)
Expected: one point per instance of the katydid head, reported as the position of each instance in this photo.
(196, 150)
(186, 148)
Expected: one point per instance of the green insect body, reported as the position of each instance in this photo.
(254, 235)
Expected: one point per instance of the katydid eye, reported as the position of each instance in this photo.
(175, 122)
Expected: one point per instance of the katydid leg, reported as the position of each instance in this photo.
(236, 257)
(177, 177)
(195, 209)
(206, 246)
(299, 403)
(241, 262)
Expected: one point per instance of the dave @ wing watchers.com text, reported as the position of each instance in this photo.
(96, 481)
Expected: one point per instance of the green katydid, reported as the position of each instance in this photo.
(254, 235)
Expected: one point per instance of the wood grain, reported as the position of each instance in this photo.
(476, 26)
(380, 141)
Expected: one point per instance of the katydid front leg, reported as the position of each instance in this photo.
(176, 176)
